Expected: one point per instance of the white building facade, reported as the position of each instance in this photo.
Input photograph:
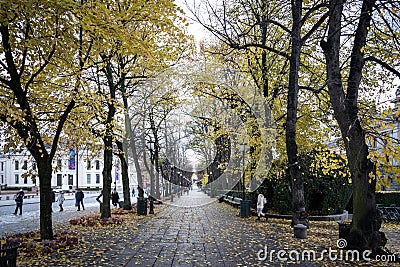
(19, 169)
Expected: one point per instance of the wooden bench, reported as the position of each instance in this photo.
(233, 201)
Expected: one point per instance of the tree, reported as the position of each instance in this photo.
(259, 29)
(40, 80)
(132, 41)
(344, 90)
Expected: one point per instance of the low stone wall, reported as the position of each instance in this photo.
(336, 217)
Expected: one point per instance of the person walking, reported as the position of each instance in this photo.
(133, 191)
(60, 200)
(79, 199)
(115, 198)
(261, 201)
(19, 199)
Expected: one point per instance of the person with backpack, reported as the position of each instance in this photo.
(19, 199)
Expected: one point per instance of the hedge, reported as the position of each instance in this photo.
(387, 198)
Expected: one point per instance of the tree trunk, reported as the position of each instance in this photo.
(137, 166)
(46, 221)
(156, 166)
(107, 178)
(108, 144)
(364, 233)
(125, 176)
(125, 142)
(298, 203)
(365, 227)
(149, 169)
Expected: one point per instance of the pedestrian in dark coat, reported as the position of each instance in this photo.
(115, 198)
(19, 199)
(79, 199)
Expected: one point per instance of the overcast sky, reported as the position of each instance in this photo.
(195, 28)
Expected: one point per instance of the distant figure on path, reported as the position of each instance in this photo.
(60, 200)
(115, 198)
(133, 191)
(19, 199)
(79, 199)
(261, 200)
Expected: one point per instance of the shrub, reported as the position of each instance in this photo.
(387, 198)
(326, 184)
(31, 244)
(90, 221)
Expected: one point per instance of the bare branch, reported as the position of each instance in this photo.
(383, 64)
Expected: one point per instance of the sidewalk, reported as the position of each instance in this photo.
(31, 198)
(208, 234)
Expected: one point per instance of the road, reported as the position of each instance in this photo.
(29, 221)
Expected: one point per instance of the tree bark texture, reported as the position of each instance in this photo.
(108, 144)
(124, 176)
(46, 222)
(298, 203)
(107, 178)
(364, 233)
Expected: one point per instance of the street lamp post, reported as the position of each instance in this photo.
(170, 183)
(244, 204)
(243, 149)
(210, 180)
(178, 183)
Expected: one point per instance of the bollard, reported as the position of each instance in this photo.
(8, 254)
(300, 231)
(245, 208)
(141, 206)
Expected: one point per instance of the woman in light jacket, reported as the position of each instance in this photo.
(261, 200)
(60, 200)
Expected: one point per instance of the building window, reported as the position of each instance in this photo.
(97, 178)
(25, 180)
(70, 179)
(88, 165)
(34, 165)
(97, 164)
(89, 178)
(17, 179)
(16, 165)
(59, 179)
(2, 166)
(59, 164)
(2, 179)
(25, 165)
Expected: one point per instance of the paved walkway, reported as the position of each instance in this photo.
(194, 231)
(29, 221)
